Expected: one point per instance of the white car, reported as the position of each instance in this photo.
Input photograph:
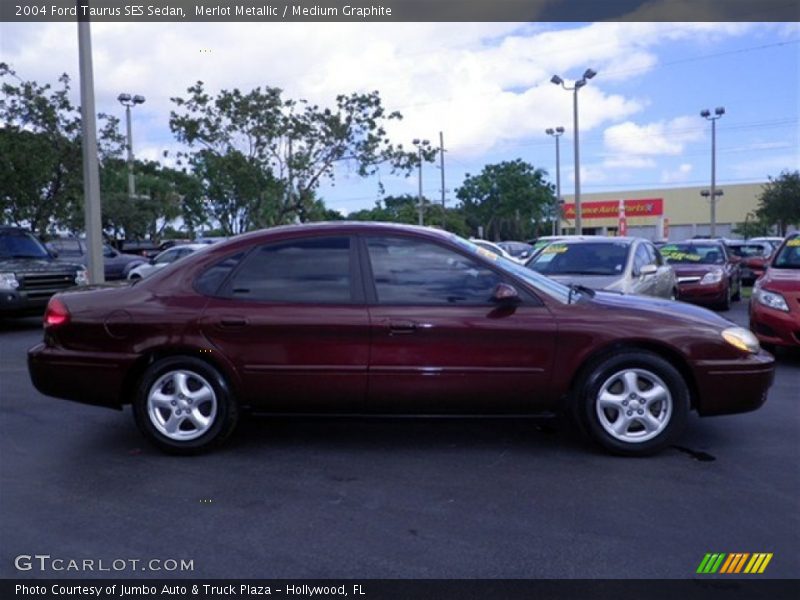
(163, 259)
(494, 249)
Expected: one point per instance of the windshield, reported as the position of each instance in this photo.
(749, 250)
(547, 286)
(19, 244)
(693, 254)
(789, 256)
(582, 258)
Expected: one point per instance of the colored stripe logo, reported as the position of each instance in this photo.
(736, 562)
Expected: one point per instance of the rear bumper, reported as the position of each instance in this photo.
(96, 379)
(733, 386)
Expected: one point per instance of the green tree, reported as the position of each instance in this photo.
(41, 166)
(261, 156)
(510, 200)
(405, 209)
(779, 203)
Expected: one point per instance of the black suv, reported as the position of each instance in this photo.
(29, 274)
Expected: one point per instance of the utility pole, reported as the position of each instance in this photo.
(441, 163)
(557, 133)
(420, 144)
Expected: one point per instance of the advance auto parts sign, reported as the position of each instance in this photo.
(609, 209)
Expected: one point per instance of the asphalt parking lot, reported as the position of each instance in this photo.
(392, 498)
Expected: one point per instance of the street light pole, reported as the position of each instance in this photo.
(706, 114)
(127, 101)
(587, 74)
(557, 133)
(91, 170)
(420, 144)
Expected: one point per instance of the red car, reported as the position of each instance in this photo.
(707, 273)
(753, 257)
(775, 304)
(380, 318)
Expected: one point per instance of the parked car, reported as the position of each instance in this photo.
(753, 257)
(626, 265)
(30, 275)
(382, 318)
(775, 303)
(519, 250)
(163, 259)
(707, 273)
(545, 240)
(116, 264)
(773, 241)
(495, 249)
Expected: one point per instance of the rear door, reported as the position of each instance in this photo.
(440, 344)
(292, 320)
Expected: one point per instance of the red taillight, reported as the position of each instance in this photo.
(56, 313)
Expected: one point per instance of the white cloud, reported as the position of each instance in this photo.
(679, 175)
(651, 139)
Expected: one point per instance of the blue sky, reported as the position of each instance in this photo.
(485, 85)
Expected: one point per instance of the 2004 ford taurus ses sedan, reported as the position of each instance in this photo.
(378, 318)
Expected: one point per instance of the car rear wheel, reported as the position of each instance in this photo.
(183, 405)
(634, 403)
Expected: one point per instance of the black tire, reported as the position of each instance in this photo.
(607, 376)
(726, 303)
(738, 293)
(214, 412)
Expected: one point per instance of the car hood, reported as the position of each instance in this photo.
(596, 282)
(659, 308)
(34, 265)
(781, 280)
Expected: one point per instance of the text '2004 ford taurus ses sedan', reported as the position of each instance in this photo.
(379, 318)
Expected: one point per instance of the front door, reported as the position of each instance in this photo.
(440, 344)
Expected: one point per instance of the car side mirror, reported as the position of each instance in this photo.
(505, 294)
(648, 270)
(152, 261)
(53, 253)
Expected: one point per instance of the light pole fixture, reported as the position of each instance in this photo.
(557, 133)
(420, 144)
(587, 75)
(127, 101)
(706, 114)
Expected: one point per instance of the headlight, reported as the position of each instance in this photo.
(82, 277)
(8, 281)
(712, 277)
(741, 338)
(771, 299)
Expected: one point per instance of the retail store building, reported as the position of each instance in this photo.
(666, 214)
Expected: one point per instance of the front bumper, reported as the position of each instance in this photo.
(775, 327)
(728, 387)
(706, 294)
(13, 302)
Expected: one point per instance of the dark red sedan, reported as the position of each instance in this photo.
(775, 304)
(379, 318)
(707, 272)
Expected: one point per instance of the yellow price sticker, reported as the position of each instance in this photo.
(554, 249)
(487, 253)
(793, 243)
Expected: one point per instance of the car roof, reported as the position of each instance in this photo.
(343, 227)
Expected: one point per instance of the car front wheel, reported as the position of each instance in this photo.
(634, 403)
(183, 405)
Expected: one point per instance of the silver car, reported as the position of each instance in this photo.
(618, 264)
